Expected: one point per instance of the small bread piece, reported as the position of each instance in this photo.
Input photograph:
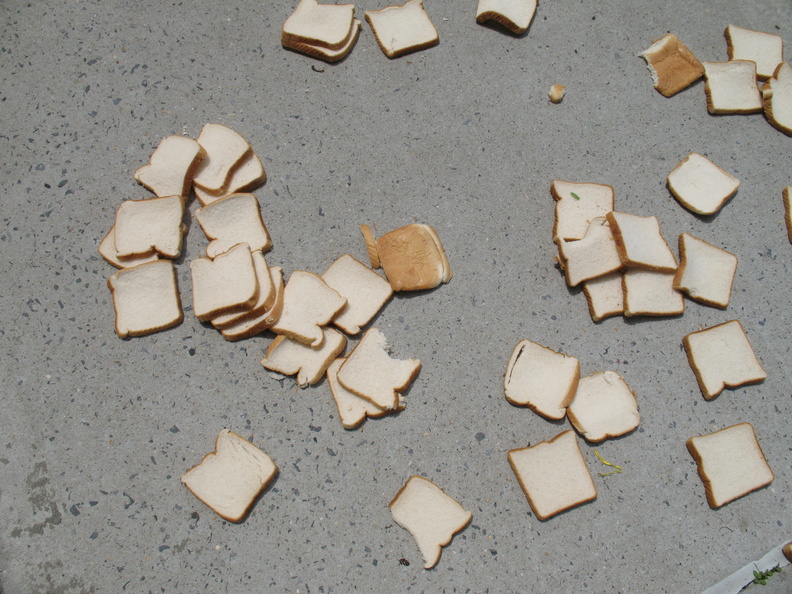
(765, 49)
(640, 243)
(731, 87)
(706, 272)
(593, 256)
(730, 463)
(515, 15)
(603, 407)
(577, 204)
(650, 293)
(266, 295)
(320, 25)
(107, 250)
(672, 65)
(172, 166)
(290, 357)
(541, 379)
(226, 284)
(248, 175)
(402, 29)
(412, 258)
(153, 224)
(352, 409)
(323, 53)
(777, 98)
(557, 93)
(308, 304)
(366, 292)
(232, 220)
(787, 193)
(721, 357)
(230, 479)
(430, 515)
(372, 374)
(605, 296)
(553, 475)
(701, 186)
(225, 150)
(145, 298)
(255, 323)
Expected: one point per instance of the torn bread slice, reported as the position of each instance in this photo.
(223, 285)
(256, 323)
(701, 186)
(553, 475)
(145, 298)
(153, 224)
(593, 256)
(764, 49)
(107, 250)
(247, 176)
(603, 407)
(577, 204)
(172, 166)
(230, 479)
(430, 515)
(706, 272)
(308, 304)
(605, 296)
(787, 195)
(402, 29)
(777, 99)
(232, 220)
(352, 409)
(264, 302)
(289, 357)
(366, 292)
(541, 379)
(514, 15)
(731, 87)
(651, 293)
(672, 65)
(640, 243)
(372, 374)
(320, 25)
(730, 463)
(225, 150)
(721, 357)
(324, 53)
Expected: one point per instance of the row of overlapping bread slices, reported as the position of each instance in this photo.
(234, 288)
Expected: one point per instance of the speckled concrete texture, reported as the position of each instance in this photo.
(96, 431)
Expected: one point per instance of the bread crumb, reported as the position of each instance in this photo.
(557, 93)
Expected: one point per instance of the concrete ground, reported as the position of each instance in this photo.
(96, 431)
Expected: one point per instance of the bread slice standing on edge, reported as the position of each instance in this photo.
(107, 250)
(731, 87)
(672, 65)
(706, 272)
(766, 50)
(230, 479)
(701, 186)
(223, 285)
(153, 224)
(577, 204)
(319, 25)
(605, 296)
(352, 409)
(640, 243)
(366, 292)
(787, 194)
(289, 357)
(254, 323)
(650, 293)
(593, 256)
(777, 99)
(515, 15)
(603, 407)
(430, 515)
(248, 175)
(722, 357)
(402, 29)
(225, 150)
(232, 220)
(172, 166)
(730, 462)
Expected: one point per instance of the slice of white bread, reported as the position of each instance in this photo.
(322, 25)
(172, 166)
(247, 176)
(672, 65)
(577, 204)
(722, 357)
(701, 186)
(255, 323)
(145, 298)
(731, 87)
(765, 49)
(640, 243)
(226, 284)
(515, 15)
(352, 409)
(651, 293)
(266, 295)
(324, 53)
(706, 272)
(372, 374)
(730, 463)
(777, 98)
(225, 150)
(605, 296)
(553, 475)
(232, 220)
(593, 256)
(430, 515)
(308, 304)
(153, 224)
(290, 357)
(402, 29)
(107, 250)
(787, 195)
(541, 379)
(230, 479)
(603, 407)
(366, 292)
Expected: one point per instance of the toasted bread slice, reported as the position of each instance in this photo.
(605, 296)
(402, 29)
(701, 186)
(412, 258)
(640, 243)
(224, 285)
(107, 250)
(765, 49)
(266, 295)
(153, 224)
(289, 357)
(352, 409)
(593, 256)
(777, 98)
(255, 323)
(232, 220)
(247, 176)
(366, 292)
(787, 194)
(731, 87)
(706, 272)
(225, 150)
(320, 25)
(172, 166)
(651, 293)
(430, 515)
(514, 15)
(603, 407)
(577, 204)
(672, 65)
(324, 53)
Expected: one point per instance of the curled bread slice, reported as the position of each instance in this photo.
(730, 463)
(577, 204)
(706, 272)
(320, 25)
(402, 29)
(430, 515)
(230, 479)
(172, 166)
(223, 285)
(352, 409)
(264, 302)
(225, 150)
(777, 98)
(603, 407)
(248, 175)
(640, 243)
(672, 65)
(366, 292)
(787, 195)
(372, 374)
(153, 224)
(731, 87)
(324, 53)
(651, 293)
(515, 15)
(605, 296)
(553, 475)
(290, 357)
(541, 379)
(145, 298)
(232, 220)
(593, 256)
(766, 50)
(721, 357)
(257, 322)
(701, 186)
(107, 250)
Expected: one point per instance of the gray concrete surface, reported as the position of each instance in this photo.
(96, 431)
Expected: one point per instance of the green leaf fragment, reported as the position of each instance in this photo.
(575, 196)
